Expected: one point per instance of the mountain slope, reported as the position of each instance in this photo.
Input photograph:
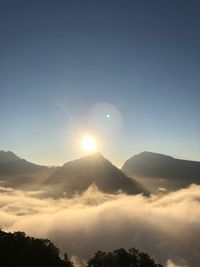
(17, 172)
(14, 165)
(7, 156)
(174, 172)
(20, 166)
(78, 175)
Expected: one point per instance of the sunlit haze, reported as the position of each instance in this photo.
(88, 144)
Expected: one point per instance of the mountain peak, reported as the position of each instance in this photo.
(166, 171)
(78, 175)
(92, 159)
(96, 155)
(7, 156)
(152, 154)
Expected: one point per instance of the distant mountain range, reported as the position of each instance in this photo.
(13, 165)
(163, 171)
(153, 171)
(71, 178)
(17, 172)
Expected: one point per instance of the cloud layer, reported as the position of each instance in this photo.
(167, 228)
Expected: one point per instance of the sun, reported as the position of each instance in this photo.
(88, 143)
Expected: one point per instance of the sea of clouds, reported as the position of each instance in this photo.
(167, 227)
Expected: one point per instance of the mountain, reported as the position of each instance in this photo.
(12, 164)
(15, 171)
(166, 172)
(7, 156)
(78, 175)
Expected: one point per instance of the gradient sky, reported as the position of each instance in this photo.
(65, 65)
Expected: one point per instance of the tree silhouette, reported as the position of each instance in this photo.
(17, 249)
(121, 257)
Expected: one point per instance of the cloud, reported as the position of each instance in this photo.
(170, 263)
(165, 227)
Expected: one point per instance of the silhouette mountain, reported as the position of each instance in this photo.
(12, 164)
(15, 171)
(78, 175)
(7, 156)
(168, 171)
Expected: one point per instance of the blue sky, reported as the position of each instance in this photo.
(59, 60)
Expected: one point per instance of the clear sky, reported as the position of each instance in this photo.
(65, 65)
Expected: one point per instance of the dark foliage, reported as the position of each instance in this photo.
(122, 258)
(17, 249)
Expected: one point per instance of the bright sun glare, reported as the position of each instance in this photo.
(88, 143)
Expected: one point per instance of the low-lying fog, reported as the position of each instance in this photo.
(167, 228)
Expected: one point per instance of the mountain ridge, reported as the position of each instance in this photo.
(163, 170)
(160, 165)
(78, 175)
(17, 172)
(7, 156)
(11, 164)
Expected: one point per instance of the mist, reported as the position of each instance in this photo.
(166, 227)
